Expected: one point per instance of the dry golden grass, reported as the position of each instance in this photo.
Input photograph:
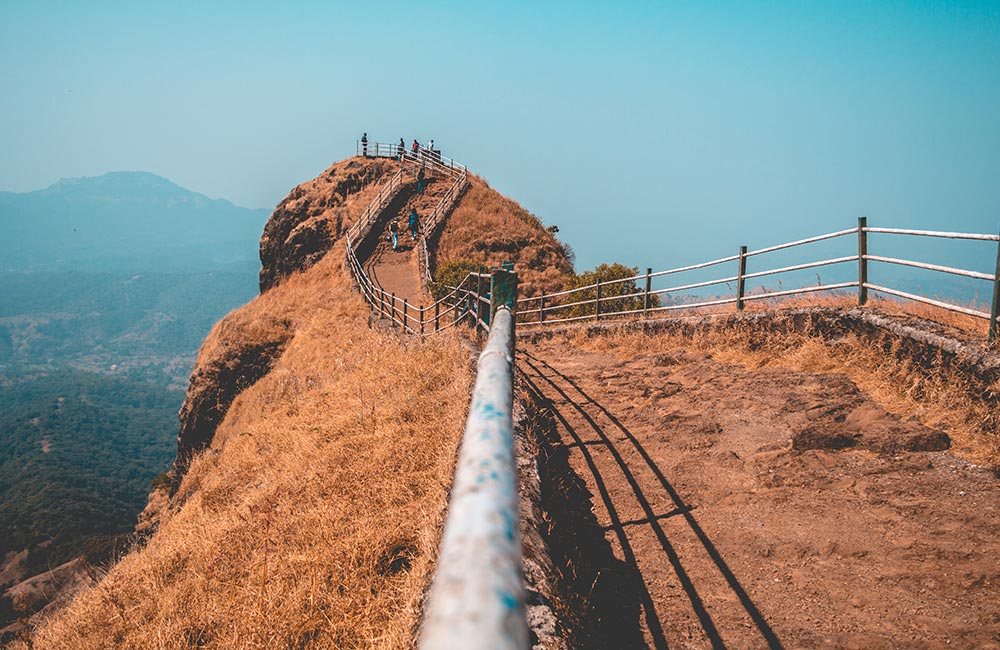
(888, 305)
(960, 323)
(313, 519)
(934, 395)
(488, 228)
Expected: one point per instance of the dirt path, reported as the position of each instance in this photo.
(398, 271)
(740, 541)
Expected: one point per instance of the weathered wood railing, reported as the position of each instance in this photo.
(606, 299)
(435, 219)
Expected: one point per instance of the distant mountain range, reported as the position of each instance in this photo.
(108, 285)
(125, 222)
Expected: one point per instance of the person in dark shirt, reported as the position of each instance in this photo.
(414, 224)
(401, 149)
(364, 144)
(394, 233)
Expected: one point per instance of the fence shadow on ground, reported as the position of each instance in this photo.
(609, 619)
(534, 370)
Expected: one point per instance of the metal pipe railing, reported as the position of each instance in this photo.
(477, 599)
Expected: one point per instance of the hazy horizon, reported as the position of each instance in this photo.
(689, 128)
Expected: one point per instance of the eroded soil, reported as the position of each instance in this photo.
(772, 508)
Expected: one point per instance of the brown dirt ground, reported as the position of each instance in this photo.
(398, 271)
(743, 540)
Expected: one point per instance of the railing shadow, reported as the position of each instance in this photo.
(607, 628)
(651, 518)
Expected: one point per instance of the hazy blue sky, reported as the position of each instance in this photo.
(651, 133)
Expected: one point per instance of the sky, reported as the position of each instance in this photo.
(651, 133)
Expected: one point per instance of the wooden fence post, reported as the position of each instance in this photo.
(405, 309)
(862, 262)
(996, 301)
(541, 309)
(392, 308)
(597, 304)
(421, 320)
(437, 316)
(645, 297)
(740, 280)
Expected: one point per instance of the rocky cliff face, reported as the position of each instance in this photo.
(314, 215)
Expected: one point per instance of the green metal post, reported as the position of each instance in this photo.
(479, 294)
(503, 290)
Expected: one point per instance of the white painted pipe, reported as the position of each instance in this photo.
(477, 598)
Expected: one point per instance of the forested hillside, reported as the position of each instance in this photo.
(78, 451)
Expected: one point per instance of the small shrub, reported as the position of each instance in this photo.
(609, 302)
(449, 275)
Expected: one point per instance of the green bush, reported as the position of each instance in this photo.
(609, 302)
(449, 275)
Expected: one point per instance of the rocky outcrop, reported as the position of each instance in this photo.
(314, 215)
(216, 383)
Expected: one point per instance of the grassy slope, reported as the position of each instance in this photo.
(487, 227)
(313, 519)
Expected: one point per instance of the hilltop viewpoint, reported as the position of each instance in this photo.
(804, 473)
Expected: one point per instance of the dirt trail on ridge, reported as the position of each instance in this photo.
(398, 271)
(736, 539)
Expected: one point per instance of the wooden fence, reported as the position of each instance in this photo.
(602, 300)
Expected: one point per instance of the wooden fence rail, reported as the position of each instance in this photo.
(593, 299)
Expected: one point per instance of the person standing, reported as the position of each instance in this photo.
(414, 224)
(394, 233)
(415, 149)
(421, 179)
(401, 149)
(364, 144)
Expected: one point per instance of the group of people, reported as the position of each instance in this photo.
(414, 226)
(415, 149)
